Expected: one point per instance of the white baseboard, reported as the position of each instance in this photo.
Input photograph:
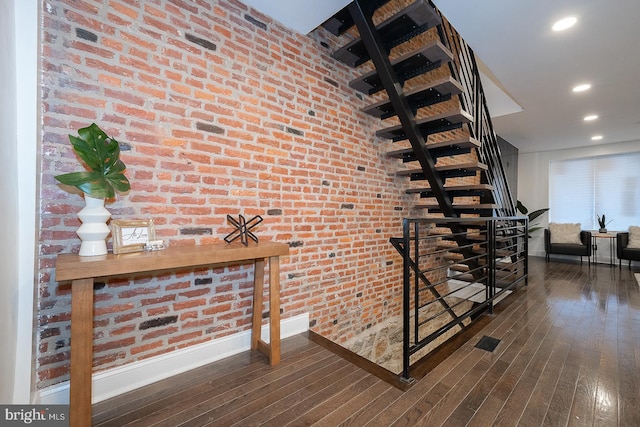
(110, 383)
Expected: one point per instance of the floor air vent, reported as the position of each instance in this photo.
(487, 343)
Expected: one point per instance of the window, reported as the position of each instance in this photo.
(582, 189)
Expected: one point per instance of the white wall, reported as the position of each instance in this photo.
(8, 211)
(18, 147)
(533, 183)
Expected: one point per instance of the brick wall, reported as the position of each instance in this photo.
(219, 110)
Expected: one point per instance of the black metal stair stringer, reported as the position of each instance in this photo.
(362, 12)
(362, 17)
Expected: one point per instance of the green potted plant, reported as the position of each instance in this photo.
(532, 216)
(104, 177)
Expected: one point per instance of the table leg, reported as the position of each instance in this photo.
(258, 289)
(81, 352)
(611, 249)
(274, 309)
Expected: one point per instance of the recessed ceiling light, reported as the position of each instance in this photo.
(565, 23)
(590, 117)
(596, 137)
(582, 87)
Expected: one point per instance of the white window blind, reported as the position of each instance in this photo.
(581, 189)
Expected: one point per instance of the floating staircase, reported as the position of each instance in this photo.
(413, 95)
(425, 88)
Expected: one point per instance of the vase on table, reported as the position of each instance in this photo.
(94, 229)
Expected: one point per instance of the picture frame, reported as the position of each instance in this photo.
(132, 235)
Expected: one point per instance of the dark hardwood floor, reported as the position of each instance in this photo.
(569, 355)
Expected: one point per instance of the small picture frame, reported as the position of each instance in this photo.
(132, 235)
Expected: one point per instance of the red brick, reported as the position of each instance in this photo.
(111, 345)
(184, 337)
(121, 8)
(116, 308)
(155, 333)
(157, 311)
(177, 306)
(146, 347)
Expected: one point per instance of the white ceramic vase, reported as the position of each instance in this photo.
(94, 229)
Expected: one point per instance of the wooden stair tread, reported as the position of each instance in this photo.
(453, 188)
(453, 257)
(502, 268)
(426, 94)
(438, 149)
(471, 237)
(471, 166)
(475, 166)
(462, 268)
(461, 206)
(428, 125)
(468, 208)
(464, 225)
(468, 277)
(457, 257)
(412, 20)
(459, 191)
(407, 66)
(407, 153)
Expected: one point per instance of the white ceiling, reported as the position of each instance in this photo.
(535, 68)
(301, 15)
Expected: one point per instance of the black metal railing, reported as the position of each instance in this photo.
(465, 69)
(445, 284)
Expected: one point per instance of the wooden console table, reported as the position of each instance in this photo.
(82, 271)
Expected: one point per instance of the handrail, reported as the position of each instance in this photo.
(437, 282)
(465, 69)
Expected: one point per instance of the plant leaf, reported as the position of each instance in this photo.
(78, 178)
(92, 183)
(101, 155)
(521, 208)
(95, 148)
(116, 177)
(85, 152)
(119, 182)
(98, 189)
(535, 214)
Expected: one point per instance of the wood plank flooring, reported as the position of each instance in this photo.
(569, 356)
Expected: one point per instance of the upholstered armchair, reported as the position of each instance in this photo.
(628, 245)
(567, 239)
